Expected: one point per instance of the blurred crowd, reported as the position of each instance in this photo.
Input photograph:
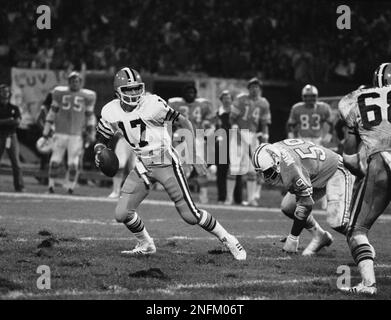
(281, 40)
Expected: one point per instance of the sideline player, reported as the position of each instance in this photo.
(307, 120)
(143, 120)
(71, 112)
(251, 116)
(367, 116)
(308, 172)
(199, 112)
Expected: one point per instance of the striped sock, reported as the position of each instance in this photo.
(362, 252)
(207, 222)
(135, 225)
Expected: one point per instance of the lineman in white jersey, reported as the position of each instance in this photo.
(143, 120)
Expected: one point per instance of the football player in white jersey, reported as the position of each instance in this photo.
(144, 120)
(367, 115)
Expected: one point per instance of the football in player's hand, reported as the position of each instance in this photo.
(108, 162)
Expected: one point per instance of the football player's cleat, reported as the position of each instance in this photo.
(291, 245)
(50, 190)
(234, 247)
(142, 248)
(317, 243)
(361, 289)
(70, 191)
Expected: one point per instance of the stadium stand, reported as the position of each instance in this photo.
(259, 35)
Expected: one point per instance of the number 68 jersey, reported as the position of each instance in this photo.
(368, 112)
(143, 128)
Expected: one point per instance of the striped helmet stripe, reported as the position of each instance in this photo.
(255, 156)
(380, 74)
(129, 74)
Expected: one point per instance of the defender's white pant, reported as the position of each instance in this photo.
(338, 190)
(64, 142)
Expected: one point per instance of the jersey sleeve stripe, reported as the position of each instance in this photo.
(175, 116)
(104, 125)
(168, 115)
(104, 132)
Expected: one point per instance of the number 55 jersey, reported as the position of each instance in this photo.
(75, 110)
(143, 128)
(368, 113)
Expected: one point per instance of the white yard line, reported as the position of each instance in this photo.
(150, 202)
(273, 236)
(175, 289)
(169, 290)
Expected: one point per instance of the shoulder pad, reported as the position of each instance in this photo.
(108, 108)
(242, 95)
(88, 92)
(61, 89)
(176, 100)
(298, 105)
(201, 100)
(347, 103)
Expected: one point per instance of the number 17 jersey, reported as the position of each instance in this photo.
(144, 128)
(368, 112)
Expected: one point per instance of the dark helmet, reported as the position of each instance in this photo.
(125, 80)
(382, 75)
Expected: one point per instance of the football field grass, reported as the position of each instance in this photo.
(79, 240)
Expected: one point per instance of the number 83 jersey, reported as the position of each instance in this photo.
(143, 128)
(368, 113)
(305, 164)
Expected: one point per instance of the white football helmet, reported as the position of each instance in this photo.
(266, 160)
(309, 94)
(45, 146)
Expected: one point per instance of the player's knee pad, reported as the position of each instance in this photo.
(54, 168)
(73, 170)
(251, 176)
(337, 218)
(288, 205)
(185, 212)
(302, 212)
(122, 213)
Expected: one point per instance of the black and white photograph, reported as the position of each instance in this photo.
(195, 154)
